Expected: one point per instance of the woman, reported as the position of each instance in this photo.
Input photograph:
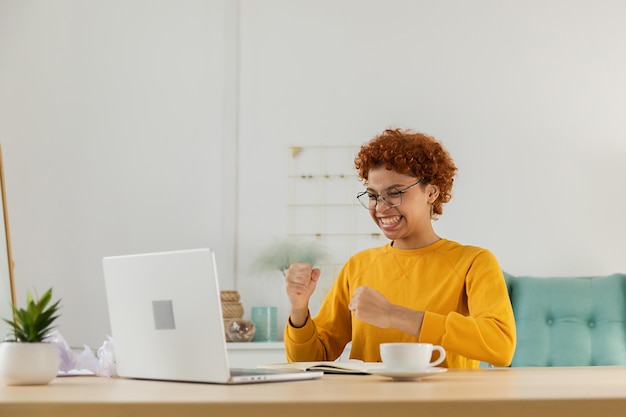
(418, 287)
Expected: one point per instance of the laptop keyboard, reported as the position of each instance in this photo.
(255, 371)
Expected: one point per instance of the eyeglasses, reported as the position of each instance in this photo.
(392, 197)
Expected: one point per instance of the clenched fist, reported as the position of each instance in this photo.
(371, 306)
(300, 282)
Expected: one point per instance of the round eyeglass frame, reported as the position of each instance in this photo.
(367, 202)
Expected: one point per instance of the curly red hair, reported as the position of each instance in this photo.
(411, 153)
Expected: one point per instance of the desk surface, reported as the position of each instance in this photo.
(575, 391)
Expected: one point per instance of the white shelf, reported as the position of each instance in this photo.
(255, 346)
(253, 354)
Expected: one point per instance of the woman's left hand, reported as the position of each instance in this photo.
(371, 306)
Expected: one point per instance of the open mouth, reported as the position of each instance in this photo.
(390, 220)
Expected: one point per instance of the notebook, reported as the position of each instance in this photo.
(166, 320)
(330, 367)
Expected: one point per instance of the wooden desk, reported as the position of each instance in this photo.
(585, 391)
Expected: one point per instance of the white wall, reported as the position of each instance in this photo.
(528, 96)
(149, 125)
(117, 131)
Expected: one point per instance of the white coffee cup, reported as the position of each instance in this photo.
(410, 356)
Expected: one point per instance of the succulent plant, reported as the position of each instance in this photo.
(33, 323)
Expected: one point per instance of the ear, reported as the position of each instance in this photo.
(432, 191)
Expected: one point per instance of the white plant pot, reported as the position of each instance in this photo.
(28, 363)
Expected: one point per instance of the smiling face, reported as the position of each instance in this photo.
(414, 154)
(409, 224)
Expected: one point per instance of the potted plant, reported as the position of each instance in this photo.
(26, 358)
(281, 254)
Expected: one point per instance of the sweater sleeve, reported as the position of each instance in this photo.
(487, 333)
(324, 337)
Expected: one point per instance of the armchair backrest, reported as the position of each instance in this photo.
(577, 321)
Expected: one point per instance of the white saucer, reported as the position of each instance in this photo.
(406, 375)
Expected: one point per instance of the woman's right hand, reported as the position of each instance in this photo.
(300, 282)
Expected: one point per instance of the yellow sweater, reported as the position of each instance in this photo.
(460, 288)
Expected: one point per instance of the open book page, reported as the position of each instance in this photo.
(330, 367)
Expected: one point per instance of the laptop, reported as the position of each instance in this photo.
(166, 320)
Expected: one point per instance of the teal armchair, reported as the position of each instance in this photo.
(574, 321)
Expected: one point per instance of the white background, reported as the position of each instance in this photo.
(131, 126)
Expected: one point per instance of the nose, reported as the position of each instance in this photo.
(380, 203)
